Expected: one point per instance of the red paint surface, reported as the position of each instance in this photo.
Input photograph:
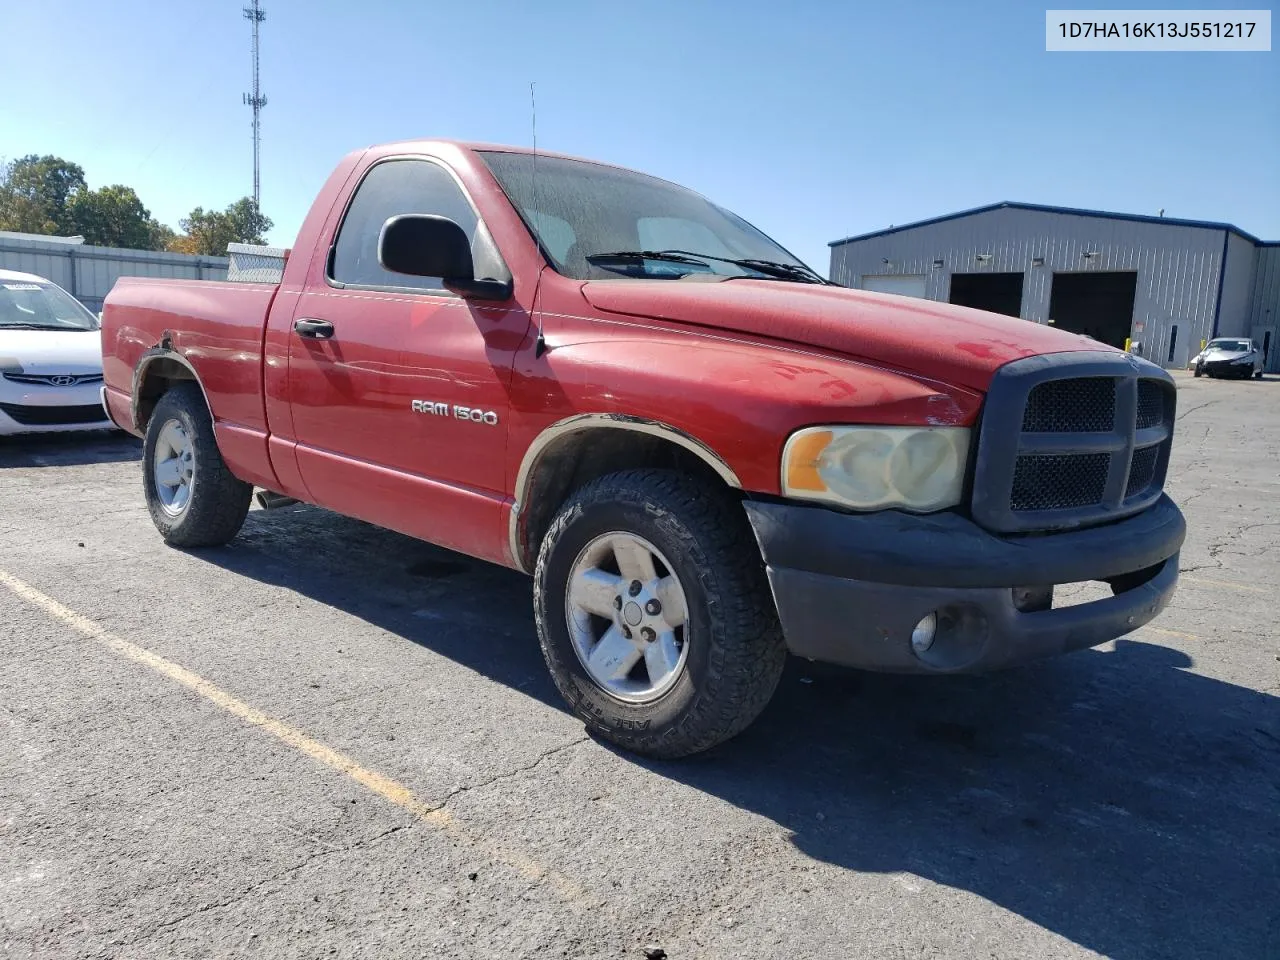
(939, 340)
(738, 365)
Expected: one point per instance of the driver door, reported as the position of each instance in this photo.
(380, 363)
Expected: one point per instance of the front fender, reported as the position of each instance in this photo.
(738, 401)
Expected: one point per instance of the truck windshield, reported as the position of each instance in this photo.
(1231, 345)
(29, 305)
(600, 222)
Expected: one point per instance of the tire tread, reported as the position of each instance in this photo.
(220, 500)
(746, 661)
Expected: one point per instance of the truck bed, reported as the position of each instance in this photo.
(217, 324)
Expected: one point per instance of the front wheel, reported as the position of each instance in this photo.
(194, 500)
(655, 615)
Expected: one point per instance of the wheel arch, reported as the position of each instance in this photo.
(579, 449)
(157, 371)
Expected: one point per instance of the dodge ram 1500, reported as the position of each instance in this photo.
(705, 453)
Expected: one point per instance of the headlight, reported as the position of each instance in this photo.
(870, 468)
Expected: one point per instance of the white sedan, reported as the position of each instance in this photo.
(50, 359)
(1229, 357)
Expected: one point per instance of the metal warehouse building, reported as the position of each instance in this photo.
(88, 272)
(1165, 284)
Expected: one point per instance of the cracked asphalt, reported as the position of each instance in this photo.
(1122, 802)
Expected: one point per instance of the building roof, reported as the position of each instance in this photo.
(1045, 208)
(41, 237)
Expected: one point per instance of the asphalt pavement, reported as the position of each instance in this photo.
(326, 739)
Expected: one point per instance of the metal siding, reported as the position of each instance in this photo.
(1265, 312)
(1178, 266)
(44, 260)
(1237, 287)
(89, 272)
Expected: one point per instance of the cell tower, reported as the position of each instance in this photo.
(255, 15)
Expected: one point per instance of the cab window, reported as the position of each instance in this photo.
(390, 189)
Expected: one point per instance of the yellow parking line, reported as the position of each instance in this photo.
(1225, 583)
(384, 787)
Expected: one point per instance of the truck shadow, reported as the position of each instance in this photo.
(1113, 798)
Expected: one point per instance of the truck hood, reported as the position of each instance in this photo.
(956, 345)
(50, 351)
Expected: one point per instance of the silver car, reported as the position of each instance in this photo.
(1229, 357)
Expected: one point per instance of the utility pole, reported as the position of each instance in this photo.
(255, 15)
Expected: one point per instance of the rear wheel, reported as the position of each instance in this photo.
(655, 613)
(194, 500)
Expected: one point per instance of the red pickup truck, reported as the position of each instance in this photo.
(706, 454)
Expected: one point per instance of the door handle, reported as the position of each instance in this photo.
(313, 329)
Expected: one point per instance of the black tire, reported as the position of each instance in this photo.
(1257, 375)
(1198, 372)
(219, 501)
(736, 651)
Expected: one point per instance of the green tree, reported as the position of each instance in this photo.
(34, 192)
(249, 224)
(161, 236)
(112, 217)
(209, 231)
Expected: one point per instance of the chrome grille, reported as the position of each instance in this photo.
(1072, 439)
(54, 379)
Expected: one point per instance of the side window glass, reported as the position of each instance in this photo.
(390, 189)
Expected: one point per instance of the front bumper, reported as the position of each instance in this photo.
(41, 409)
(850, 588)
(1227, 368)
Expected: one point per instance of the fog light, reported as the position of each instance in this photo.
(923, 633)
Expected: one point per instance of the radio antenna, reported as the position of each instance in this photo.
(540, 345)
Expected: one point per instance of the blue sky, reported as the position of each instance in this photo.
(814, 120)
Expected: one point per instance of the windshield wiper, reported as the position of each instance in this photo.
(37, 326)
(788, 270)
(771, 268)
(671, 256)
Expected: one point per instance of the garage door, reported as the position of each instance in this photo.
(909, 285)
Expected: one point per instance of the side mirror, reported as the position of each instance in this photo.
(425, 245)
